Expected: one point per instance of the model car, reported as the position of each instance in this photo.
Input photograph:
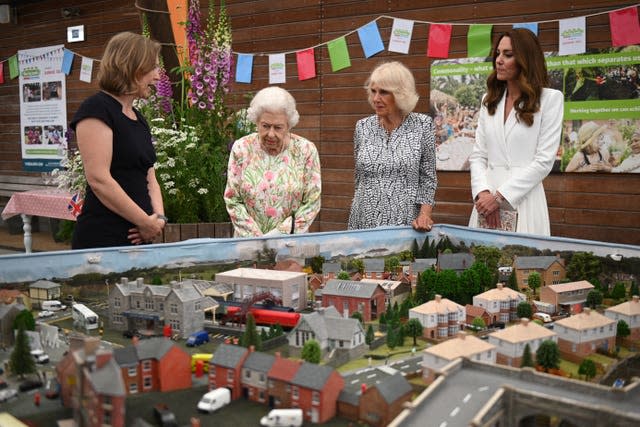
(8, 393)
(52, 390)
(45, 313)
(30, 384)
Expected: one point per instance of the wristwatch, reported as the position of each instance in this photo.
(164, 218)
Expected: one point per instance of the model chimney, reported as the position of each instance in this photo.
(587, 311)
(524, 321)
(635, 299)
(499, 286)
(124, 280)
(438, 298)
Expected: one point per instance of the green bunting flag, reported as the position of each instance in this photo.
(339, 54)
(479, 40)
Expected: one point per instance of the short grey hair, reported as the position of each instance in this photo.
(396, 78)
(273, 99)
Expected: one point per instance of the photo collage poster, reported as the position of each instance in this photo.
(601, 130)
(43, 108)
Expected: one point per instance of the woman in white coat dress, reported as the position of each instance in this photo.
(518, 135)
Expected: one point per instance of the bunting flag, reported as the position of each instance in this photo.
(625, 29)
(306, 61)
(75, 204)
(531, 26)
(401, 32)
(244, 68)
(86, 68)
(370, 39)
(439, 40)
(178, 16)
(13, 67)
(277, 69)
(339, 54)
(479, 40)
(572, 36)
(67, 61)
(1, 73)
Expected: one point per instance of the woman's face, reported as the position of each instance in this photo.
(635, 144)
(146, 81)
(383, 101)
(273, 129)
(506, 66)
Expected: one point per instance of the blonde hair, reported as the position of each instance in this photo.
(396, 78)
(127, 57)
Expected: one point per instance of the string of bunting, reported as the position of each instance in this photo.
(623, 23)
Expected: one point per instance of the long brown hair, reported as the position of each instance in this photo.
(532, 76)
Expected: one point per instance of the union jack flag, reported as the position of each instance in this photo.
(75, 204)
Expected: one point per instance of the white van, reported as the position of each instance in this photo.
(53, 305)
(542, 316)
(282, 417)
(214, 400)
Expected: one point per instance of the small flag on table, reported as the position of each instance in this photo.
(75, 204)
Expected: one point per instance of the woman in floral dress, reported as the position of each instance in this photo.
(273, 177)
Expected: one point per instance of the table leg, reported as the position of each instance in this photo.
(26, 226)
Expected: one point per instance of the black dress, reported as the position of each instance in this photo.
(133, 155)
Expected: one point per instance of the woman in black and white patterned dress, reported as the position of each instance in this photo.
(394, 149)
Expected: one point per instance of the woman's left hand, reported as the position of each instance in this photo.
(423, 222)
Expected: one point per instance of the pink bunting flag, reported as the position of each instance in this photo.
(1, 73)
(625, 29)
(439, 40)
(306, 64)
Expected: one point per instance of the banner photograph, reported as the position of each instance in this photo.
(601, 112)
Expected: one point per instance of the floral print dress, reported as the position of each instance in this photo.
(264, 192)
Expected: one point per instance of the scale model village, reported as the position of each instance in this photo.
(438, 335)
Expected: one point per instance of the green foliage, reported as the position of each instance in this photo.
(634, 289)
(406, 305)
(370, 336)
(429, 280)
(382, 320)
(311, 352)
(447, 284)
(21, 362)
(414, 329)
(548, 355)
(470, 285)
(594, 298)
(622, 329)
(619, 291)
(391, 264)
(65, 231)
(584, 266)
(316, 264)
(527, 358)
(513, 282)
(250, 337)
(358, 315)
(486, 278)
(24, 319)
(343, 275)
(264, 335)
(488, 255)
(156, 280)
(415, 249)
(534, 281)
(524, 310)
(588, 369)
(391, 338)
(478, 323)
(469, 95)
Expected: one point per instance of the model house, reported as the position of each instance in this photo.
(629, 312)
(373, 268)
(155, 364)
(330, 270)
(143, 307)
(582, 334)
(441, 318)
(279, 380)
(383, 402)
(225, 369)
(11, 296)
(501, 303)
(289, 286)
(91, 384)
(551, 269)
(458, 262)
(396, 290)
(436, 357)
(254, 379)
(8, 313)
(43, 290)
(473, 312)
(331, 330)
(566, 296)
(510, 342)
(418, 266)
(315, 389)
(349, 296)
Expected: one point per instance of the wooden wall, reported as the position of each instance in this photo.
(590, 206)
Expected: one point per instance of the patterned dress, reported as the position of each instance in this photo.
(394, 174)
(263, 191)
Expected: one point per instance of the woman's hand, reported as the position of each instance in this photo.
(486, 203)
(146, 232)
(423, 222)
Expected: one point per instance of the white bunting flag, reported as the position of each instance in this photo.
(572, 36)
(277, 69)
(85, 69)
(401, 35)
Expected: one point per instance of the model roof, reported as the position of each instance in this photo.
(228, 356)
(283, 369)
(350, 288)
(331, 267)
(312, 376)
(258, 361)
(463, 345)
(259, 273)
(44, 284)
(107, 379)
(458, 261)
(588, 319)
(393, 387)
(523, 332)
(501, 293)
(373, 265)
(421, 264)
(629, 308)
(535, 262)
(571, 286)
(438, 305)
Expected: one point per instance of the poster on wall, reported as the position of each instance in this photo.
(601, 113)
(43, 108)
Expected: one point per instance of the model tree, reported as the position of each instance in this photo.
(25, 319)
(358, 315)
(251, 336)
(343, 275)
(584, 266)
(392, 264)
(587, 368)
(316, 263)
(486, 277)
(311, 352)
(478, 323)
(548, 355)
(527, 358)
(469, 287)
(634, 289)
(391, 338)
(534, 281)
(622, 329)
(488, 255)
(594, 298)
(414, 329)
(513, 282)
(415, 249)
(524, 310)
(421, 288)
(447, 284)
(370, 336)
(619, 291)
(21, 362)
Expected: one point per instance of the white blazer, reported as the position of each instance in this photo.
(513, 158)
